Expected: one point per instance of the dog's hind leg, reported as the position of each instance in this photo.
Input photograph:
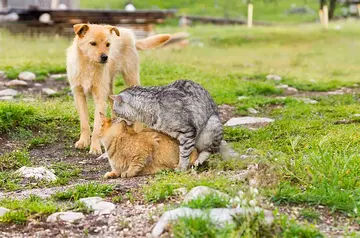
(81, 106)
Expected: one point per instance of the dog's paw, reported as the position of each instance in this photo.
(81, 144)
(109, 175)
(95, 150)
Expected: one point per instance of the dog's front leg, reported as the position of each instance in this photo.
(81, 107)
(100, 107)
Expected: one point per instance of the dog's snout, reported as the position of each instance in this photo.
(103, 58)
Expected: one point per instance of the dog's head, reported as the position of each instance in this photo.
(94, 41)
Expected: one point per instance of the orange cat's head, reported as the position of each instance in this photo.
(107, 123)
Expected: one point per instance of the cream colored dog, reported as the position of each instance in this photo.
(97, 54)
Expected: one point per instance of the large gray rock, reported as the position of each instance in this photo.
(202, 191)
(218, 216)
(38, 173)
(28, 76)
(3, 211)
(65, 217)
(241, 121)
(16, 82)
(98, 204)
(8, 92)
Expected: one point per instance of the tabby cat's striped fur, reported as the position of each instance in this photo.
(184, 110)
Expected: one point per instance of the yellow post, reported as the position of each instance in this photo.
(54, 4)
(250, 15)
(326, 16)
(321, 16)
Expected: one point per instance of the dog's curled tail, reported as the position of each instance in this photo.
(152, 41)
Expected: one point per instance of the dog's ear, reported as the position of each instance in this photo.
(114, 29)
(102, 116)
(152, 41)
(81, 29)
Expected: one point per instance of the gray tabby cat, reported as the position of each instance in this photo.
(184, 110)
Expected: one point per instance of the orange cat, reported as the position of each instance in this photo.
(138, 153)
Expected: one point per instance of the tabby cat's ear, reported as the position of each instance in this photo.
(116, 98)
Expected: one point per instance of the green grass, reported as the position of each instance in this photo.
(208, 201)
(310, 215)
(14, 160)
(29, 208)
(245, 226)
(84, 190)
(164, 184)
(274, 11)
(312, 159)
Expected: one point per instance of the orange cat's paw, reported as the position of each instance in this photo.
(127, 175)
(110, 175)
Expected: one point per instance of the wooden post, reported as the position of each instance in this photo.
(54, 4)
(358, 8)
(321, 16)
(326, 16)
(250, 15)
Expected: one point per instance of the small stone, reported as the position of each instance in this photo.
(282, 86)
(6, 98)
(240, 98)
(90, 201)
(2, 75)
(202, 191)
(28, 76)
(308, 101)
(16, 82)
(180, 191)
(252, 110)
(244, 156)
(291, 90)
(57, 76)
(8, 92)
(49, 91)
(65, 216)
(39, 173)
(273, 77)
(356, 115)
(98, 205)
(103, 208)
(313, 81)
(38, 85)
(337, 92)
(238, 121)
(3, 211)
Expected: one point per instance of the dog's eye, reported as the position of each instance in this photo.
(93, 43)
(107, 44)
